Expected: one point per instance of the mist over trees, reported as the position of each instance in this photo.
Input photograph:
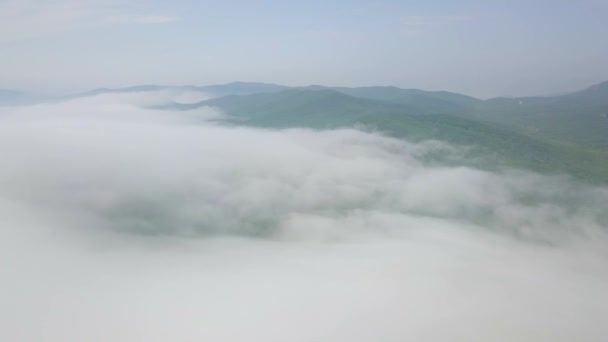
(125, 218)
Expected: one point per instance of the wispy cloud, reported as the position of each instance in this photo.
(24, 19)
(154, 19)
(417, 23)
(149, 19)
(27, 19)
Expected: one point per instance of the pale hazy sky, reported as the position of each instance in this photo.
(481, 48)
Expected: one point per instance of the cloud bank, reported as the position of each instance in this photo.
(122, 223)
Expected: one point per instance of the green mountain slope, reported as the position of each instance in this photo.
(298, 107)
(436, 102)
(241, 88)
(579, 118)
(326, 108)
(566, 133)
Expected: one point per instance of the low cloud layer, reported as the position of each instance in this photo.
(121, 223)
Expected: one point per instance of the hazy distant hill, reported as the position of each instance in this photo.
(234, 88)
(134, 89)
(241, 88)
(319, 107)
(437, 102)
(579, 118)
(565, 133)
(9, 97)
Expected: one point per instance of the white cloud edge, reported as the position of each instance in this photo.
(415, 23)
(148, 19)
(154, 19)
(29, 19)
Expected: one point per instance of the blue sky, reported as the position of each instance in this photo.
(481, 48)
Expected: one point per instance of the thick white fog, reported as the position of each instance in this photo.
(121, 223)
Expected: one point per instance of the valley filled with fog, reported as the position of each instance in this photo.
(126, 220)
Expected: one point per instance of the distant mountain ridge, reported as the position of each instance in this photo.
(9, 94)
(233, 88)
(10, 97)
(578, 118)
(455, 118)
(564, 133)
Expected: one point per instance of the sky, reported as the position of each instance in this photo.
(123, 222)
(480, 48)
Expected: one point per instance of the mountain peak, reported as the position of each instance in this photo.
(251, 84)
